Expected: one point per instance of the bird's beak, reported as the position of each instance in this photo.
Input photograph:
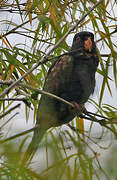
(88, 44)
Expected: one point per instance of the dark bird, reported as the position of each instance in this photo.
(71, 77)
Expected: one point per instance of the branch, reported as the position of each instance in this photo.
(32, 129)
(87, 113)
(18, 135)
(9, 120)
(11, 99)
(9, 111)
(45, 58)
(17, 27)
(36, 90)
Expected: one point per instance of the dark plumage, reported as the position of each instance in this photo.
(71, 77)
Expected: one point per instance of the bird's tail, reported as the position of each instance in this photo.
(33, 146)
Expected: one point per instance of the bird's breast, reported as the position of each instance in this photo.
(82, 82)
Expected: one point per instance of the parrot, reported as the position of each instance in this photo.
(71, 77)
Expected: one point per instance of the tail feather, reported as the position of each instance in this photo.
(33, 146)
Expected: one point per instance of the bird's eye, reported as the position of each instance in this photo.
(92, 37)
(78, 39)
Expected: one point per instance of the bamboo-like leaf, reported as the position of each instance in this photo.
(52, 16)
(3, 40)
(18, 5)
(107, 3)
(21, 68)
(28, 9)
(81, 126)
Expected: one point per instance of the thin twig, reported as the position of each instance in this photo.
(45, 58)
(17, 27)
(32, 129)
(9, 120)
(87, 113)
(11, 109)
(11, 99)
(18, 135)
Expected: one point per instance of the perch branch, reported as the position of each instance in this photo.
(87, 115)
(90, 114)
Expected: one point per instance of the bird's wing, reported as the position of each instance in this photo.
(59, 74)
(57, 82)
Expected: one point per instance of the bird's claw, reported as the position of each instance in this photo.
(81, 108)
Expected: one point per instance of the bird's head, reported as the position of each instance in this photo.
(84, 41)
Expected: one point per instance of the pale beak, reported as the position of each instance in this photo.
(88, 44)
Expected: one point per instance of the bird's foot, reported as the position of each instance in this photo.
(76, 105)
(81, 108)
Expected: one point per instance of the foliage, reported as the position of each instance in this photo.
(28, 32)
